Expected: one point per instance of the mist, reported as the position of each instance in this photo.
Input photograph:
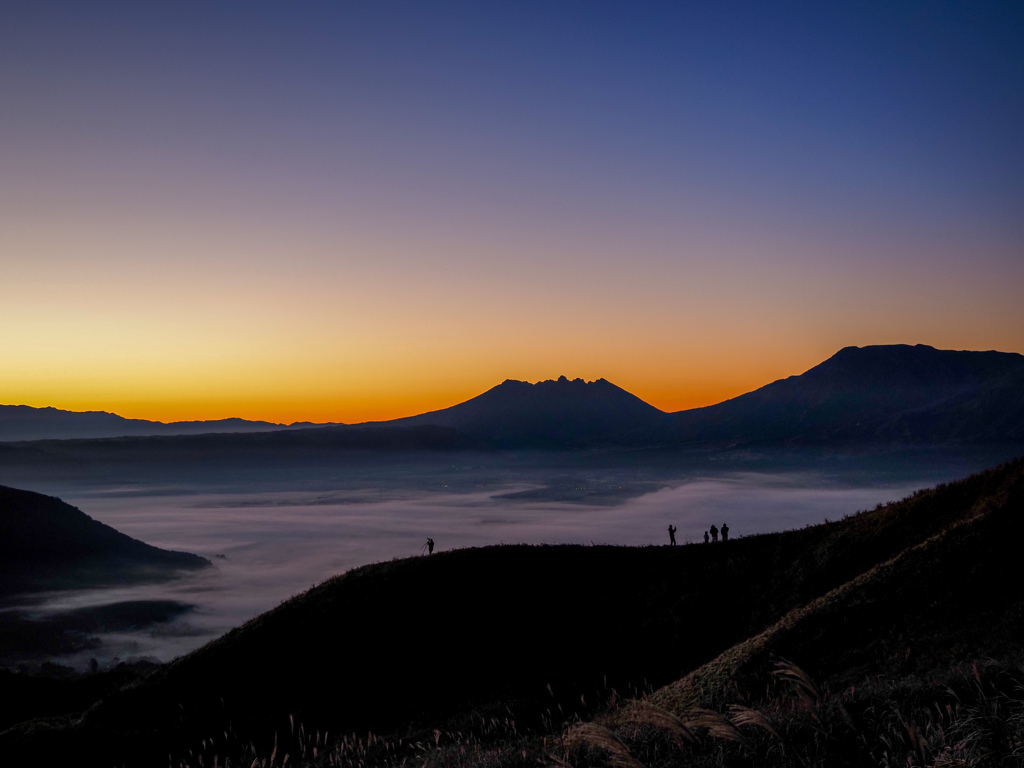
(269, 544)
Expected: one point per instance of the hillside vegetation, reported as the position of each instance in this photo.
(916, 661)
(487, 656)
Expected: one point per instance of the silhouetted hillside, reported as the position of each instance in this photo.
(22, 422)
(549, 414)
(880, 394)
(916, 661)
(886, 394)
(46, 543)
(541, 634)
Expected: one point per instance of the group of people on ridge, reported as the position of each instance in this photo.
(429, 546)
(707, 538)
(714, 533)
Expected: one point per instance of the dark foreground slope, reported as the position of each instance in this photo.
(958, 595)
(917, 661)
(539, 634)
(48, 544)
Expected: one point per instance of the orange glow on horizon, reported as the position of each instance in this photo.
(296, 390)
(380, 215)
(326, 412)
(352, 333)
(387, 406)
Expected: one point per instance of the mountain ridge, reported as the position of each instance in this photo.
(559, 413)
(887, 394)
(20, 423)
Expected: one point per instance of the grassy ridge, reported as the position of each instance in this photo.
(540, 636)
(916, 661)
(958, 594)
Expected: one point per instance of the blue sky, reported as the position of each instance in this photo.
(374, 208)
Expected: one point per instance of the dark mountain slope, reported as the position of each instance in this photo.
(957, 596)
(549, 414)
(878, 394)
(873, 394)
(917, 661)
(405, 645)
(22, 422)
(46, 543)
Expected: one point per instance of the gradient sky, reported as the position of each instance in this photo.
(360, 210)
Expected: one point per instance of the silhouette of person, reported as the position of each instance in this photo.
(714, 533)
(706, 537)
(725, 532)
(672, 534)
(430, 546)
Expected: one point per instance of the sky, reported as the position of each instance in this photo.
(350, 211)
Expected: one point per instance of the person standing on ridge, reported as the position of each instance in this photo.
(706, 537)
(725, 533)
(430, 546)
(672, 534)
(714, 533)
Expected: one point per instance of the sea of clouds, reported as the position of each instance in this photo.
(268, 545)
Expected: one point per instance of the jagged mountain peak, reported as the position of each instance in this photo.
(560, 381)
(552, 413)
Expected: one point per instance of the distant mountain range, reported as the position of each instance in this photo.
(893, 393)
(22, 422)
(886, 394)
(879, 394)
